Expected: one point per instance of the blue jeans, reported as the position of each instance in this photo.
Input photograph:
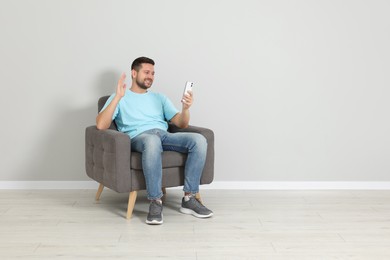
(152, 143)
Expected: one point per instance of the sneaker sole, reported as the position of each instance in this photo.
(193, 213)
(153, 222)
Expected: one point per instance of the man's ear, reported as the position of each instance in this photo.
(133, 73)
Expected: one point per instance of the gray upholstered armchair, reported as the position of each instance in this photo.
(110, 161)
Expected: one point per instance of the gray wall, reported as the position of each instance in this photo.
(294, 90)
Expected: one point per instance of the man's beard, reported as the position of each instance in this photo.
(142, 84)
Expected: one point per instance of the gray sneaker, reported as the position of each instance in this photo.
(190, 205)
(155, 216)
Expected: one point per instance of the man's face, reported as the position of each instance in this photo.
(145, 76)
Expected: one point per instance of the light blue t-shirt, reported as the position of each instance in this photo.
(136, 113)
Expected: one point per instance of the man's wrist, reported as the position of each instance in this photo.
(117, 98)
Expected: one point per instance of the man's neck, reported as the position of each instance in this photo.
(137, 89)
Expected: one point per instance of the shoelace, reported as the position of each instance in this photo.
(196, 203)
(155, 207)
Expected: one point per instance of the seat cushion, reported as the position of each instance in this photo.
(169, 160)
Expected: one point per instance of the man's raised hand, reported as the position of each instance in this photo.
(121, 88)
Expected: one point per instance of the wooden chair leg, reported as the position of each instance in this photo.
(197, 196)
(130, 206)
(164, 191)
(99, 192)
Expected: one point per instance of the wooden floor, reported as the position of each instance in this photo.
(69, 224)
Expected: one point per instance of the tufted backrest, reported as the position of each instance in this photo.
(101, 103)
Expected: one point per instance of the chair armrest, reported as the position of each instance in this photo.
(206, 132)
(107, 158)
(208, 171)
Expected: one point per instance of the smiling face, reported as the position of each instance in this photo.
(144, 76)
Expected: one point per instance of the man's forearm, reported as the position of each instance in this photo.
(184, 118)
(104, 118)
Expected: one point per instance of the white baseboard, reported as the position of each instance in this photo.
(301, 185)
(218, 185)
(47, 185)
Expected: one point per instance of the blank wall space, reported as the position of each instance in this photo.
(295, 91)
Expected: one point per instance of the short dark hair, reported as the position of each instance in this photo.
(137, 63)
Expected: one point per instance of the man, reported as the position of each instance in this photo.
(143, 115)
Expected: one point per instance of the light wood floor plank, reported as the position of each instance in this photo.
(70, 224)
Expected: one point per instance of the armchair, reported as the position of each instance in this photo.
(110, 161)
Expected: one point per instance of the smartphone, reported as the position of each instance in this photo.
(188, 87)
